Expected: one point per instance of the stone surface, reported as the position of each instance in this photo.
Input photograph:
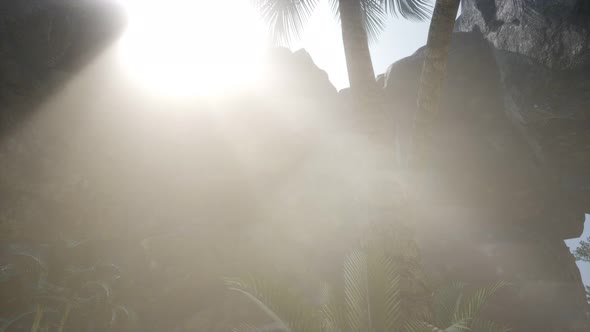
(555, 33)
(296, 74)
(509, 177)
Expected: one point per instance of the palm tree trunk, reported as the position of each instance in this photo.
(433, 72)
(356, 48)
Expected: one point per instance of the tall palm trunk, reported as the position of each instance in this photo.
(433, 72)
(356, 49)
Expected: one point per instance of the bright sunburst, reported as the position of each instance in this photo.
(192, 47)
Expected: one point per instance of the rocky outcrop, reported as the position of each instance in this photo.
(554, 33)
(542, 52)
(494, 207)
(295, 74)
(510, 162)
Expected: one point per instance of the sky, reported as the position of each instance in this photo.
(195, 68)
(236, 40)
(323, 40)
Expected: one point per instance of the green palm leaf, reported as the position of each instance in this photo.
(374, 16)
(420, 326)
(460, 326)
(372, 293)
(284, 307)
(384, 281)
(409, 9)
(285, 18)
(470, 309)
(446, 302)
(355, 291)
(332, 310)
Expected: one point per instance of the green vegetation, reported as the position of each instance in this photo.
(382, 288)
(371, 298)
(582, 253)
(41, 294)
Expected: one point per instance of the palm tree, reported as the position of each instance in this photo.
(433, 71)
(361, 20)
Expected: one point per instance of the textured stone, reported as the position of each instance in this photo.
(500, 199)
(555, 33)
(296, 74)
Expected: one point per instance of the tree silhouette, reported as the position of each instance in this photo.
(361, 21)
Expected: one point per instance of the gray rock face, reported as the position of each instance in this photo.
(499, 204)
(555, 33)
(295, 73)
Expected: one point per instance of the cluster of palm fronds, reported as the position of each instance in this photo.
(371, 300)
(377, 293)
(287, 18)
(39, 293)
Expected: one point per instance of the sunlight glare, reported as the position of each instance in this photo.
(192, 47)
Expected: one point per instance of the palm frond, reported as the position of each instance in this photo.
(285, 18)
(460, 326)
(384, 290)
(374, 16)
(471, 308)
(446, 302)
(284, 307)
(333, 310)
(409, 9)
(355, 291)
(420, 326)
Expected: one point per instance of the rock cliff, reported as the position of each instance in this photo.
(497, 207)
(511, 154)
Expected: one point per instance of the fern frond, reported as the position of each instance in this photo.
(471, 308)
(355, 291)
(420, 326)
(384, 290)
(285, 308)
(460, 326)
(446, 302)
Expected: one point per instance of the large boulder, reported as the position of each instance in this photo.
(508, 172)
(554, 33)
